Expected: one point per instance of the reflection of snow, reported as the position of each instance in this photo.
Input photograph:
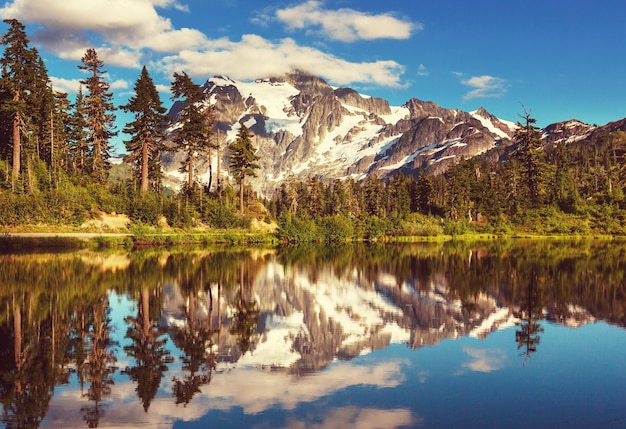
(501, 318)
(275, 348)
(360, 311)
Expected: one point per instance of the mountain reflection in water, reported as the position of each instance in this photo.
(315, 336)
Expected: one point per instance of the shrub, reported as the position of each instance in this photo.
(336, 228)
(146, 209)
(297, 230)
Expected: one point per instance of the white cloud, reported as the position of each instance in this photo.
(358, 418)
(119, 84)
(129, 33)
(484, 87)
(60, 84)
(255, 57)
(422, 71)
(71, 86)
(485, 360)
(252, 391)
(346, 25)
(124, 29)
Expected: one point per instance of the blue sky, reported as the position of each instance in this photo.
(560, 59)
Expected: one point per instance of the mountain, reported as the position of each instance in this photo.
(305, 322)
(305, 128)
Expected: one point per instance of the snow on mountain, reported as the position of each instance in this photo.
(305, 128)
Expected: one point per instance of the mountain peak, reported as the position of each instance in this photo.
(303, 127)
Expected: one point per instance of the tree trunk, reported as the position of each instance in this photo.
(243, 175)
(219, 187)
(144, 168)
(190, 170)
(145, 312)
(16, 144)
(17, 327)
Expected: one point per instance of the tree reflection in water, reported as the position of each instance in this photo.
(148, 350)
(530, 313)
(99, 367)
(55, 322)
(194, 339)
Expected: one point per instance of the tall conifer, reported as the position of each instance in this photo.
(98, 107)
(147, 130)
(242, 160)
(16, 85)
(196, 119)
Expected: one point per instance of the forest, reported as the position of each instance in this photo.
(56, 170)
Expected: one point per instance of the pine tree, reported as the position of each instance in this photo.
(423, 194)
(194, 135)
(98, 107)
(42, 107)
(16, 82)
(242, 159)
(60, 129)
(77, 135)
(530, 155)
(147, 130)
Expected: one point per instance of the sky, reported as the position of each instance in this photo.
(558, 59)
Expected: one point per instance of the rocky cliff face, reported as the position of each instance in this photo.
(307, 317)
(567, 132)
(305, 128)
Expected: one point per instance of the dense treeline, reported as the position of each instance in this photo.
(529, 188)
(55, 168)
(55, 153)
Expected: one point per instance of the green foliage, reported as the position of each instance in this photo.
(295, 230)
(194, 136)
(242, 160)
(147, 132)
(99, 119)
(419, 225)
(54, 169)
(146, 209)
(336, 228)
(220, 215)
(373, 227)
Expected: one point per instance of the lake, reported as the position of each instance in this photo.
(498, 334)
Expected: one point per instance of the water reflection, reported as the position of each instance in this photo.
(90, 337)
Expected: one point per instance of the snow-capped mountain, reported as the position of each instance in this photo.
(307, 318)
(305, 128)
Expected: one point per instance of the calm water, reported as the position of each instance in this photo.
(428, 335)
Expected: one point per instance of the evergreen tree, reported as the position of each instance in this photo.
(530, 155)
(242, 160)
(98, 107)
(16, 85)
(147, 130)
(77, 135)
(423, 194)
(194, 135)
(42, 106)
(60, 130)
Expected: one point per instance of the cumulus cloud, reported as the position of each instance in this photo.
(132, 33)
(484, 87)
(69, 86)
(485, 360)
(123, 28)
(346, 25)
(255, 57)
